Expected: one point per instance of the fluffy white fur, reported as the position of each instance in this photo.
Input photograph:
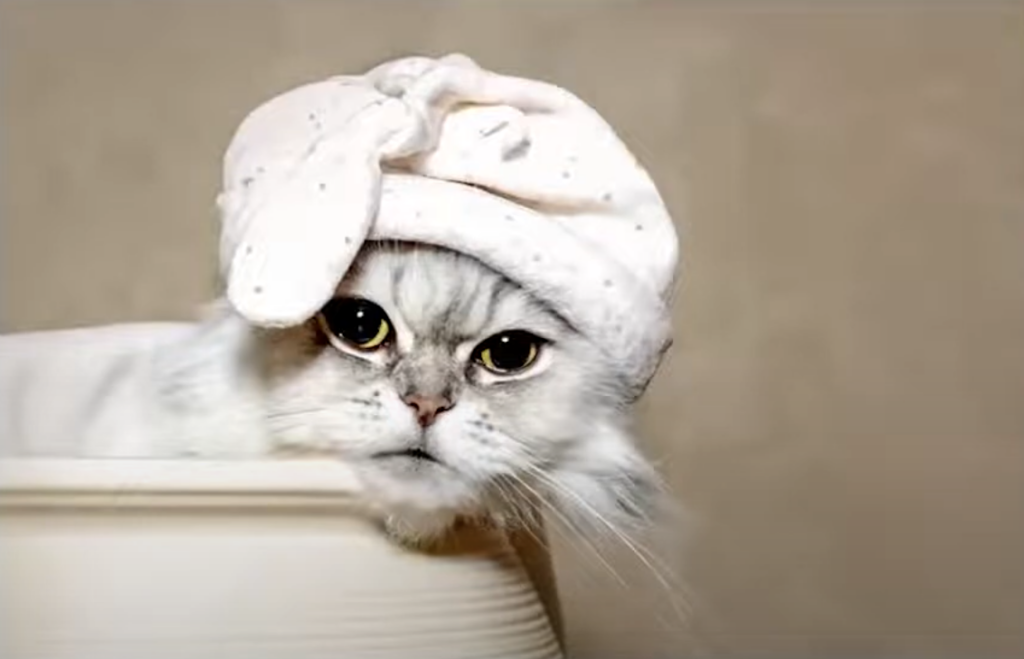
(223, 388)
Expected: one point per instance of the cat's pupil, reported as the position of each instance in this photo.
(512, 350)
(354, 319)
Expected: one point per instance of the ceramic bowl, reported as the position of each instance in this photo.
(123, 559)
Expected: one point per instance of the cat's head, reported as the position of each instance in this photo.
(451, 390)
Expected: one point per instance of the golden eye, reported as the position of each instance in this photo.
(358, 322)
(508, 352)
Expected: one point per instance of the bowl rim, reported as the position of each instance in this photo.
(131, 483)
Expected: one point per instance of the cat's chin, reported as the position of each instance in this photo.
(420, 497)
(419, 529)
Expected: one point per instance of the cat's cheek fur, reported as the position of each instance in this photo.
(605, 487)
(333, 403)
(471, 440)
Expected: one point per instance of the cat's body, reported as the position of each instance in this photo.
(87, 391)
(434, 424)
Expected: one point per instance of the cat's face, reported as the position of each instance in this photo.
(449, 388)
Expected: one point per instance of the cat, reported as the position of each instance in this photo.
(450, 390)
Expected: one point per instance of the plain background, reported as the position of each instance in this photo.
(843, 412)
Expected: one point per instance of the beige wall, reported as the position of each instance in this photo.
(844, 409)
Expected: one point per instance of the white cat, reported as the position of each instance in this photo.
(448, 388)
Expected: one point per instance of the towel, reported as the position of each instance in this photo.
(519, 174)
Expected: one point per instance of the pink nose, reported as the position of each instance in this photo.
(427, 408)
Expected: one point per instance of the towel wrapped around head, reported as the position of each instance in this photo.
(520, 174)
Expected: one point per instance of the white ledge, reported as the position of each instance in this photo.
(257, 559)
(129, 482)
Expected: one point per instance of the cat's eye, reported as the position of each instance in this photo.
(508, 352)
(360, 323)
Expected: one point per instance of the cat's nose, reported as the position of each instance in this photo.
(427, 408)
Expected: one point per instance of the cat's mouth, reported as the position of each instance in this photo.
(415, 454)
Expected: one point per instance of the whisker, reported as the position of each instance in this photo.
(571, 526)
(648, 558)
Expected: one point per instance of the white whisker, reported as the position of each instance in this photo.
(571, 526)
(648, 558)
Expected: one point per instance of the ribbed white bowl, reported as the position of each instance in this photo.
(262, 560)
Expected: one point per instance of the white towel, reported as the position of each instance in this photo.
(520, 174)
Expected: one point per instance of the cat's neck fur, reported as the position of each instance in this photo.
(207, 391)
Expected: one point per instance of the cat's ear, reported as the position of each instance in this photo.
(608, 487)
